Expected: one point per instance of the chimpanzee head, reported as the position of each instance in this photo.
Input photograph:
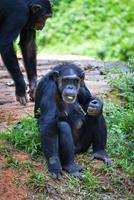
(41, 10)
(68, 80)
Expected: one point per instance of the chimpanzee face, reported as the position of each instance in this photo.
(68, 84)
(40, 13)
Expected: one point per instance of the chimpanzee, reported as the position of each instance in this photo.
(70, 119)
(22, 17)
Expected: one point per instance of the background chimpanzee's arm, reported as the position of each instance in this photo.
(28, 47)
(92, 105)
(10, 28)
(48, 123)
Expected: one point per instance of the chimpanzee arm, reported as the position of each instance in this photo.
(48, 125)
(84, 95)
(28, 48)
(11, 62)
(91, 104)
(10, 28)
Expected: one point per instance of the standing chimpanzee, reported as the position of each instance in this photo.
(70, 119)
(22, 17)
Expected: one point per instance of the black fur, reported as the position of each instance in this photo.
(17, 17)
(69, 128)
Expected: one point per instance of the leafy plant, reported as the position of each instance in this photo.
(25, 136)
(90, 182)
(120, 118)
(27, 164)
(96, 28)
(11, 162)
(4, 150)
(37, 180)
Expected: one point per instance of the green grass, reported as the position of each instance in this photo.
(120, 120)
(4, 150)
(25, 136)
(11, 162)
(100, 29)
(37, 181)
(90, 182)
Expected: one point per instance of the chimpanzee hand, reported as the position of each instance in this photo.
(32, 88)
(54, 167)
(94, 107)
(23, 100)
(21, 92)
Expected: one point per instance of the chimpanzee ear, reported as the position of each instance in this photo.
(82, 76)
(36, 7)
(56, 74)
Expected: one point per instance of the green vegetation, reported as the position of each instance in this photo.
(37, 180)
(24, 136)
(11, 162)
(102, 29)
(4, 150)
(28, 165)
(90, 182)
(120, 120)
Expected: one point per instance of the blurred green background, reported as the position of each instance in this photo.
(100, 29)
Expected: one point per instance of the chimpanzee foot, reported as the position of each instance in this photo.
(56, 175)
(22, 99)
(54, 167)
(73, 169)
(102, 155)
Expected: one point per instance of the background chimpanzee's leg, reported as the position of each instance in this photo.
(28, 47)
(66, 147)
(9, 30)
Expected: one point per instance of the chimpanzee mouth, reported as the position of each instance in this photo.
(69, 98)
(39, 25)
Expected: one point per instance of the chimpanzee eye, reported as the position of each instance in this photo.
(76, 81)
(65, 80)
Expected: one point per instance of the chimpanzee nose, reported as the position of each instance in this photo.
(70, 87)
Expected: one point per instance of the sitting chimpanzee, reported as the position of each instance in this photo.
(22, 17)
(70, 119)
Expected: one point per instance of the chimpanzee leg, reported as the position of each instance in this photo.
(50, 146)
(65, 143)
(28, 47)
(9, 30)
(85, 138)
(100, 133)
(66, 149)
(100, 139)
